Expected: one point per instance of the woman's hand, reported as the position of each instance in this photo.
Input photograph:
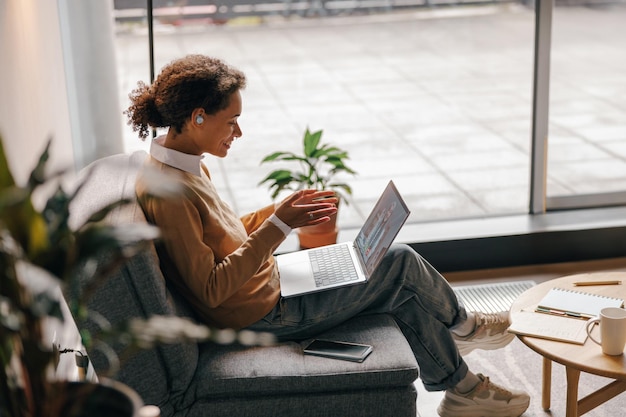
(306, 208)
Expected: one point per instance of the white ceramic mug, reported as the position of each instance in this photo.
(612, 322)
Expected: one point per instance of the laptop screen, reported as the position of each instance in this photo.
(381, 227)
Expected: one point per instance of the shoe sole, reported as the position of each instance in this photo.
(481, 411)
(490, 344)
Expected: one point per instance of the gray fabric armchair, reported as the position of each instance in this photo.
(215, 380)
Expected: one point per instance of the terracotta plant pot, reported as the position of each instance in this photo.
(319, 235)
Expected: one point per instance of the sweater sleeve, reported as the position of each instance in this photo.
(254, 220)
(212, 253)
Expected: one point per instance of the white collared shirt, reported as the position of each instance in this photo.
(183, 161)
(192, 164)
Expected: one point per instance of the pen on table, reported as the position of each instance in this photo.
(588, 283)
(562, 313)
(550, 311)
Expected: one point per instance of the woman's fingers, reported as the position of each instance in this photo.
(314, 196)
(307, 207)
(321, 215)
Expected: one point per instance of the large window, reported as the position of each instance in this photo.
(439, 99)
(587, 129)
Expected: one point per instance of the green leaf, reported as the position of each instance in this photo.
(17, 214)
(311, 140)
(45, 304)
(278, 175)
(12, 196)
(319, 163)
(56, 214)
(38, 174)
(38, 240)
(277, 156)
(10, 320)
(6, 178)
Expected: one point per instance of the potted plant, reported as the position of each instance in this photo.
(41, 258)
(318, 166)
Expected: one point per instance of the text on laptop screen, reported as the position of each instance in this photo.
(380, 228)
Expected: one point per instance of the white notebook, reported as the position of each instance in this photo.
(560, 301)
(543, 326)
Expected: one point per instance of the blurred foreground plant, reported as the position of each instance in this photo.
(36, 242)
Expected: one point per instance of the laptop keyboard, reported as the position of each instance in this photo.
(332, 265)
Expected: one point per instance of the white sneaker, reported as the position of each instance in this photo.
(485, 400)
(490, 333)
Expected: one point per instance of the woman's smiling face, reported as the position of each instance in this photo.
(219, 130)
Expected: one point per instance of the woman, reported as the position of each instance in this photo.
(223, 265)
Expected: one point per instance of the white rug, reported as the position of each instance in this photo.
(517, 366)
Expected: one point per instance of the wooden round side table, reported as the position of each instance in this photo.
(576, 358)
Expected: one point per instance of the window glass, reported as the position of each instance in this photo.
(587, 129)
(436, 98)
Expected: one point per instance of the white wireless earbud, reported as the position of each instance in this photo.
(199, 119)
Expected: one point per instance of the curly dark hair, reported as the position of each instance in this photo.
(185, 84)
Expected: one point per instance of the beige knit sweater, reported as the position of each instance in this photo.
(222, 264)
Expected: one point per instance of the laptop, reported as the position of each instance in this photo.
(350, 263)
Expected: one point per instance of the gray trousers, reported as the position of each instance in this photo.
(405, 286)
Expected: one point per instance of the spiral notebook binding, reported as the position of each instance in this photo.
(587, 293)
(577, 304)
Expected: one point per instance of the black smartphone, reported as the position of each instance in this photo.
(354, 352)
